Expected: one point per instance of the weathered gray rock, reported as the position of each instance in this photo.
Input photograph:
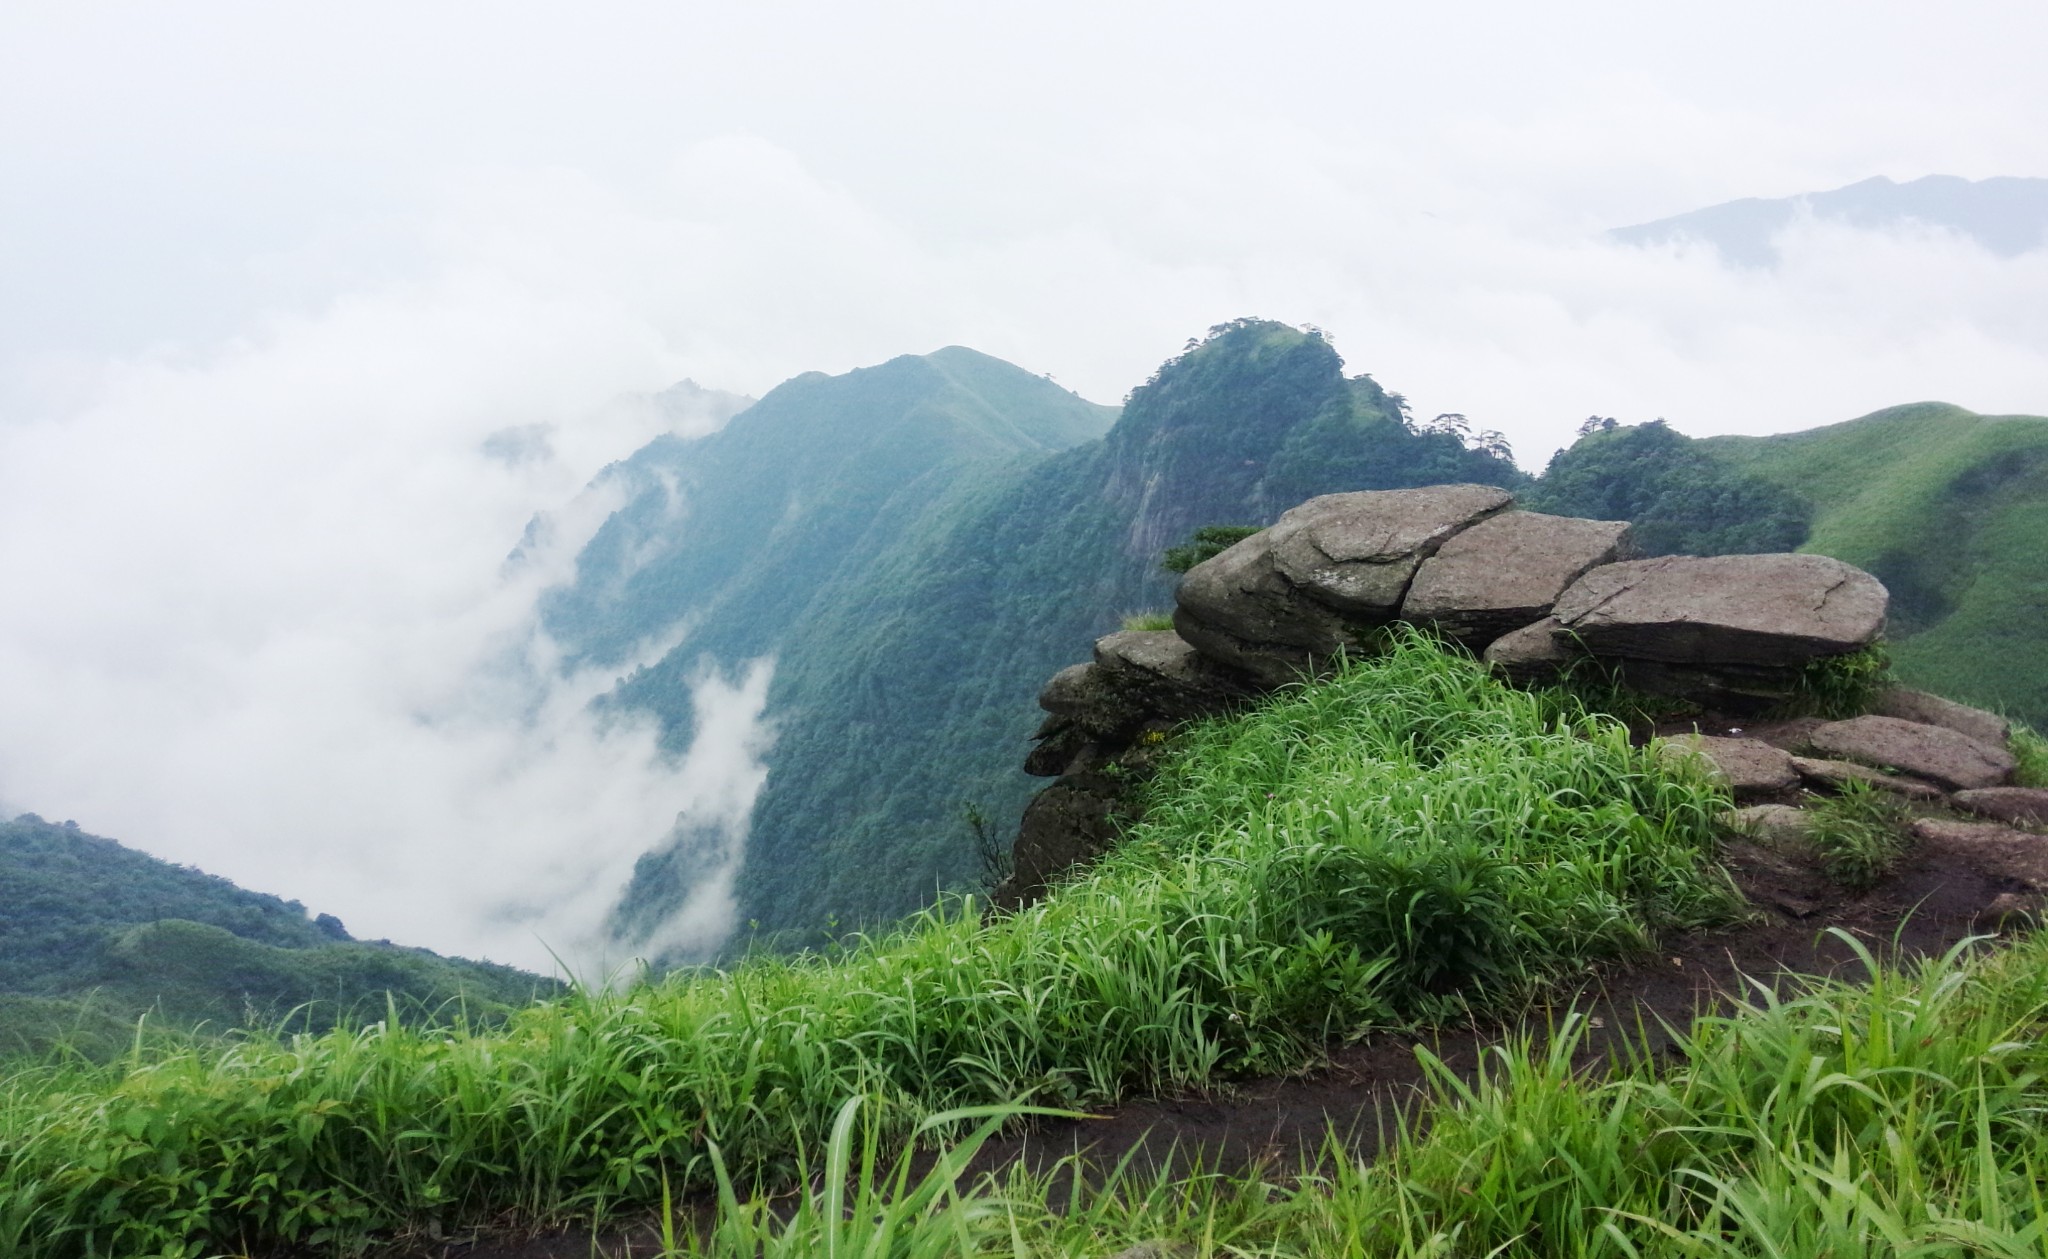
(1357, 553)
(1825, 773)
(1094, 699)
(1054, 747)
(1933, 710)
(1779, 826)
(1772, 611)
(1285, 600)
(1506, 571)
(2016, 855)
(1944, 756)
(1067, 825)
(1531, 655)
(1236, 609)
(2009, 911)
(2018, 806)
(1750, 767)
(1173, 678)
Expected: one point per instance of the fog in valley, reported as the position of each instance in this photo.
(305, 320)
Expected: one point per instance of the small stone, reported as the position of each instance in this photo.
(1749, 767)
(2009, 911)
(2017, 806)
(1828, 773)
(1775, 826)
(1945, 756)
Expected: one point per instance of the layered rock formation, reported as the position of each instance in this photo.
(1533, 594)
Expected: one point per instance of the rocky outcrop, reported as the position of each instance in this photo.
(1534, 592)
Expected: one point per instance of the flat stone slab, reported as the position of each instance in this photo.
(1749, 766)
(2018, 806)
(1933, 710)
(1944, 756)
(1357, 552)
(1506, 571)
(1768, 610)
(2017, 855)
(1777, 826)
(1828, 773)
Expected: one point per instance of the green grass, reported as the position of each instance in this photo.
(1859, 833)
(1406, 842)
(1898, 1118)
(1148, 621)
(2031, 750)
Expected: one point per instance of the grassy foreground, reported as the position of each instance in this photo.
(1403, 841)
(1908, 1117)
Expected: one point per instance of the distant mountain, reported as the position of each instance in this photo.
(2006, 215)
(1947, 507)
(94, 935)
(920, 544)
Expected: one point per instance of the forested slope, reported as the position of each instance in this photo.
(94, 935)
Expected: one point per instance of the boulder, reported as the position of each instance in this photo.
(1531, 655)
(1943, 756)
(1826, 773)
(1283, 601)
(1358, 552)
(1236, 609)
(1933, 710)
(1778, 826)
(1749, 767)
(1768, 611)
(2017, 806)
(1506, 571)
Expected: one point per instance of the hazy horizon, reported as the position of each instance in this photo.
(275, 282)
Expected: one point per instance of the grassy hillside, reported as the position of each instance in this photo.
(95, 935)
(1949, 509)
(913, 633)
(1411, 841)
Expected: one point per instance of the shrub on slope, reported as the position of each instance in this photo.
(1406, 837)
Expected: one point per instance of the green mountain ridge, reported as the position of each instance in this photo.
(914, 613)
(96, 935)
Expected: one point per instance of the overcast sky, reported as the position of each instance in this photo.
(269, 278)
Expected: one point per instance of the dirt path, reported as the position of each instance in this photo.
(1929, 902)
